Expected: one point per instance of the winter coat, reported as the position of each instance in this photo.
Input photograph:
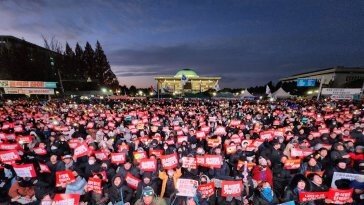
(305, 167)
(141, 185)
(156, 201)
(115, 191)
(164, 177)
(220, 173)
(76, 187)
(260, 200)
(17, 190)
(257, 175)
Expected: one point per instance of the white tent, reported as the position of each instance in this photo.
(280, 93)
(246, 94)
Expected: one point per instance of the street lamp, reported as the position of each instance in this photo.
(104, 90)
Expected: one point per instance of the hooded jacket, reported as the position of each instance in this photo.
(115, 191)
(291, 192)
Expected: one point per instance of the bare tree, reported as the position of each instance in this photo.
(52, 44)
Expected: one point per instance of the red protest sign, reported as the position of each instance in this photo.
(24, 139)
(24, 170)
(73, 143)
(101, 155)
(320, 173)
(240, 164)
(94, 184)
(297, 152)
(336, 196)
(231, 149)
(44, 168)
(63, 177)
(181, 139)
(292, 164)
(140, 155)
(157, 152)
(207, 189)
(69, 199)
(200, 160)
(148, 165)
(231, 188)
(213, 161)
(200, 135)
(132, 181)
(9, 157)
(169, 161)
(118, 158)
(311, 196)
(266, 135)
(81, 150)
(189, 162)
(7, 146)
(213, 142)
(40, 151)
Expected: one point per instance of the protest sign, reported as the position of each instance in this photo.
(189, 162)
(132, 181)
(200, 160)
(24, 170)
(240, 164)
(231, 188)
(311, 196)
(118, 158)
(101, 155)
(73, 143)
(94, 184)
(157, 152)
(181, 139)
(64, 177)
(44, 168)
(292, 164)
(9, 157)
(148, 165)
(186, 187)
(81, 150)
(213, 161)
(66, 199)
(340, 175)
(320, 173)
(139, 155)
(207, 190)
(40, 151)
(336, 196)
(231, 149)
(169, 161)
(266, 135)
(297, 152)
(9, 146)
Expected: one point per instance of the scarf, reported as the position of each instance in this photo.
(267, 194)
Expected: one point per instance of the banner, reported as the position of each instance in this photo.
(66, 199)
(139, 155)
(292, 164)
(200, 135)
(158, 153)
(200, 160)
(101, 155)
(207, 190)
(169, 161)
(213, 161)
(335, 196)
(40, 151)
(132, 181)
(186, 187)
(64, 177)
(29, 91)
(311, 196)
(181, 139)
(9, 157)
(148, 165)
(189, 162)
(9, 146)
(44, 168)
(340, 175)
(266, 135)
(231, 188)
(27, 84)
(94, 184)
(81, 150)
(118, 158)
(24, 170)
(296, 152)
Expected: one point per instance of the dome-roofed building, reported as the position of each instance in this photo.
(186, 81)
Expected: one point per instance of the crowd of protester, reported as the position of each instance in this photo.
(277, 149)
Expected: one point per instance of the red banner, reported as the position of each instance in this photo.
(24, 170)
(44, 168)
(231, 188)
(181, 139)
(132, 181)
(169, 161)
(148, 165)
(200, 135)
(189, 162)
(312, 196)
(292, 164)
(40, 151)
(73, 143)
(200, 160)
(296, 152)
(157, 152)
(7, 146)
(94, 184)
(81, 150)
(139, 155)
(213, 161)
(335, 196)
(207, 189)
(101, 155)
(66, 199)
(9, 157)
(64, 177)
(118, 158)
(266, 135)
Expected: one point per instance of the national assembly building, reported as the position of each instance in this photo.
(186, 81)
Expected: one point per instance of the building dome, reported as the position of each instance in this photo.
(187, 72)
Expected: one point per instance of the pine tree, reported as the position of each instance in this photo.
(102, 67)
(89, 62)
(79, 65)
(69, 71)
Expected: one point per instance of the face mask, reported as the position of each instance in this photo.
(91, 162)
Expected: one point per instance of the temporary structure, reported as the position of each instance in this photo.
(246, 95)
(280, 93)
